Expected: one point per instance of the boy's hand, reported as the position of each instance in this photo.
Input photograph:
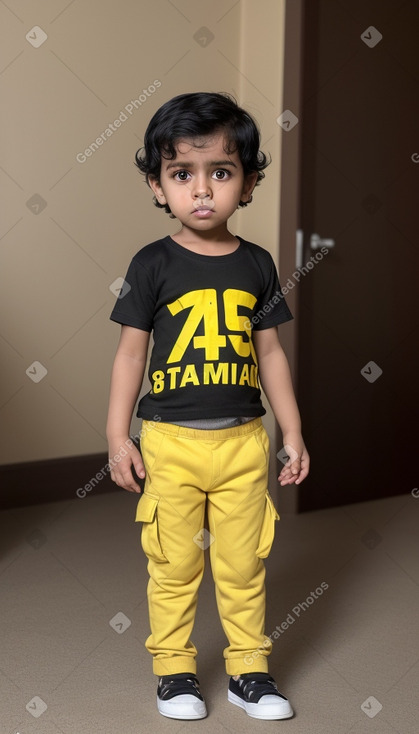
(124, 455)
(298, 464)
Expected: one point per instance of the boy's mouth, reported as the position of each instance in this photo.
(203, 212)
(205, 205)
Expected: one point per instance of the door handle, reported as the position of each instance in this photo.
(316, 242)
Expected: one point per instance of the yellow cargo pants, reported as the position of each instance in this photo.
(223, 472)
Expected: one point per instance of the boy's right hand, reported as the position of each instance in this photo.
(123, 456)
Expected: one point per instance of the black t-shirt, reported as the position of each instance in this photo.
(202, 310)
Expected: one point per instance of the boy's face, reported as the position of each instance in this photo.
(203, 186)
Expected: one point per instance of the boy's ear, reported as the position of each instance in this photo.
(157, 189)
(248, 186)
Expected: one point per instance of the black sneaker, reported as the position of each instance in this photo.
(258, 695)
(179, 697)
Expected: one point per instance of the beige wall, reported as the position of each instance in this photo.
(57, 264)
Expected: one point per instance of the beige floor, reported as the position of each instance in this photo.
(69, 568)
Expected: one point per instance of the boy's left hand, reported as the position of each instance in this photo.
(297, 466)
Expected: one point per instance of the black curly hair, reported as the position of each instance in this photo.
(194, 115)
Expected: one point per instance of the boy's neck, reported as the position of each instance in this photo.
(215, 242)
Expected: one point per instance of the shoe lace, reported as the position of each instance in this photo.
(261, 686)
(178, 685)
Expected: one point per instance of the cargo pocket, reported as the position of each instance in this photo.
(267, 532)
(147, 513)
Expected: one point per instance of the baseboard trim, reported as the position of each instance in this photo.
(50, 480)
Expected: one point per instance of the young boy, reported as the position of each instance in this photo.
(213, 303)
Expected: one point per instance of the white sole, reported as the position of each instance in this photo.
(269, 711)
(185, 706)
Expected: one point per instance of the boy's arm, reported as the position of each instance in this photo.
(127, 376)
(275, 379)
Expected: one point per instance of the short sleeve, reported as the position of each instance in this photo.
(135, 303)
(271, 307)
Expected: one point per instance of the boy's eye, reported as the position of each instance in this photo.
(221, 174)
(181, 175)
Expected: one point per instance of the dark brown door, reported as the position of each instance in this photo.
(358, 305)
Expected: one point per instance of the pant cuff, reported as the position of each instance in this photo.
(237, 666)
(177, 664)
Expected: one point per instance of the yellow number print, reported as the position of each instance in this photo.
(234, 322)
(203, 305)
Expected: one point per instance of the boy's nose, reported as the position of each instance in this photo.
(201, 188)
